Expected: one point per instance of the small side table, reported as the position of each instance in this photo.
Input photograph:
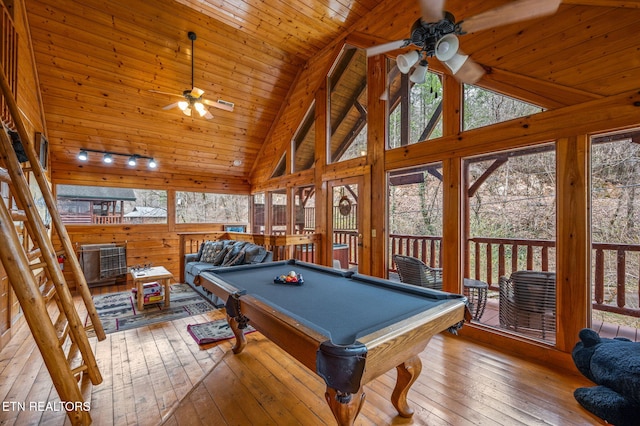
(157, 273)
(476, 292)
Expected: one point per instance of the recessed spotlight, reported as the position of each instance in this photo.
(237, 163)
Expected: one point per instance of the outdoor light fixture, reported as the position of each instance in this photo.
(109, 157)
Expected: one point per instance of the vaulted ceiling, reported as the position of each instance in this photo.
(101, 63)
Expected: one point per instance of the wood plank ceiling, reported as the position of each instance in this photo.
(99, 61)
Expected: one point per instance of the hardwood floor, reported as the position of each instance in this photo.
(158, 375)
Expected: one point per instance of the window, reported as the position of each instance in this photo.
(615, 215)
(304, 209)
(107, 206)
(415, 213)
(347, 104)
(483, 107)
(202, 207)
(421, 104)
(511, 224)
(279, 212)
(259, 214)
(304, 142)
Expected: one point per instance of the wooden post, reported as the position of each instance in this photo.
(573, 240)
(376, 147)
(322, 198)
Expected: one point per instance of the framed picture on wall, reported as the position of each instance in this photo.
(42, 149)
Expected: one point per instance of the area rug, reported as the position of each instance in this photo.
(213, 331)
(119, 311)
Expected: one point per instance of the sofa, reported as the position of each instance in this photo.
(217, 254)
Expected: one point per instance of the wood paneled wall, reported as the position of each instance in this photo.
(156, 244)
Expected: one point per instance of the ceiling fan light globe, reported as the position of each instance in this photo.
(187, 112)
(419, 74)
(200, 108)
(447, 47)
(407, 60)
(196, 93)
(456, 62)
(183, 105)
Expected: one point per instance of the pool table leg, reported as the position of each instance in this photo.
(408, 373)
(344, 412)
(241, 341)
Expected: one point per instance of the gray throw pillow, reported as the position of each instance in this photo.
(233, 251)
(210, 251)
(230, 260)
(254, 253)
(199, 255)
(219, 257)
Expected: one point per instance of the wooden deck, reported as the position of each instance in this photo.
(604, 329)
(158, 375)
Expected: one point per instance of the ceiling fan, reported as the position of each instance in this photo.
(193, 98)
(435, 34)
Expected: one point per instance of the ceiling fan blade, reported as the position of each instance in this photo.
(225, 105)
(196, 93)
(432, 10)
(509, 13)
(208, 115)
(470, 72)
(166, 93)
(387, 47)
(173, 105)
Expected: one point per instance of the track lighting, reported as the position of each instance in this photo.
(109, 157)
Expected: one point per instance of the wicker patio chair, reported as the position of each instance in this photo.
(528, 300)
(414, 271)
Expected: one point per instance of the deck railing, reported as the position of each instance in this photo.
(615, 274)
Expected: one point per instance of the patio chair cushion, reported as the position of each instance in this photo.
(614, 365)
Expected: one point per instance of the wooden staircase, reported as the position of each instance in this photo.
(61, 336)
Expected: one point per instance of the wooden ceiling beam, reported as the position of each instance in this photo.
(535, 91)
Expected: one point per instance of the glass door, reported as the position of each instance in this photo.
(345, 218)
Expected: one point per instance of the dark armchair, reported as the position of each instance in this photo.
(414, 271)
(528, 300)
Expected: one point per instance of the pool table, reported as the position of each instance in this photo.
(346, 327)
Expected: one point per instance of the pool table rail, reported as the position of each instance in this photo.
(391, 346)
